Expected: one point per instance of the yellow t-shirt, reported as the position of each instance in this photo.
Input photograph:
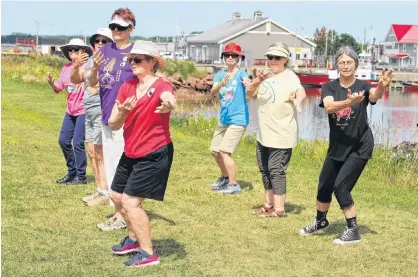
(277, 116)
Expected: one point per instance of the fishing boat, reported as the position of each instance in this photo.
(410, 87)
(312, 79)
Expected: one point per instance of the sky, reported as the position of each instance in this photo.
(165, 18)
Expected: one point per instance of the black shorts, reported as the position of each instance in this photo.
(144, 177)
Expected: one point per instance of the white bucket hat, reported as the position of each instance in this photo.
(122, 22)
(149, 48)
(76, 42)
(106, 32)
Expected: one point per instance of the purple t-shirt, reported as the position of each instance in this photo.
(113, 72)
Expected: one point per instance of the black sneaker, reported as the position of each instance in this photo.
(77, 181)
(313, 227)
(350, 235)
(65, 179)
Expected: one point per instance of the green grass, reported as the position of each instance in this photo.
(47, 231)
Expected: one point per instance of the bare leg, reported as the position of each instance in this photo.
(350, 212)
(219, 161)
(117, 200)
(139, 221)
(268, 198)
(279, 201)
(98, 153)
(90, 152)
(322, 207)
(230, 167)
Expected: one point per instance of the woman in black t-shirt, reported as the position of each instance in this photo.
(350, 141)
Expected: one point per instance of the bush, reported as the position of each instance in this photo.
(185, 68)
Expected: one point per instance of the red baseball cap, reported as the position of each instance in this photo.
(233, 48)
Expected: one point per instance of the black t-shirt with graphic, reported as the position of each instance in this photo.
(350, 134)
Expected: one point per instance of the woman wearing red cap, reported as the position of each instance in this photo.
(230, 84)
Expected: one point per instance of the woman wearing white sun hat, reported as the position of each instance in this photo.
(79, 75)
(143, 107)
(72, 129)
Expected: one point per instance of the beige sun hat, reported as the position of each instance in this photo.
(279, 50)
(106, 32)
(149, 48)
(76, 42)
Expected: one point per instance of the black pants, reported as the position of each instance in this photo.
(273, 163)
(340, 178)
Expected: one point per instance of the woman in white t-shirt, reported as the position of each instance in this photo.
(279, 94)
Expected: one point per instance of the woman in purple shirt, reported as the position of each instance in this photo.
(111, 69)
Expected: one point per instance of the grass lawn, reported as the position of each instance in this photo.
(48, 231)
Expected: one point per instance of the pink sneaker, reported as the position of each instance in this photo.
(142, 258)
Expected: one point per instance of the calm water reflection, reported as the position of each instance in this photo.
(393, 119)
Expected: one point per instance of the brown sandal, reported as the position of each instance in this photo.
(274, 213)
(263, 209)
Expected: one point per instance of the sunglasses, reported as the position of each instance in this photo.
(227, 55)
(114, 27)
(135, 60)
(103, 41)
(73, 49)
(276, 58)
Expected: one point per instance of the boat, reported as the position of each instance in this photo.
(312, 79)
(410, 87)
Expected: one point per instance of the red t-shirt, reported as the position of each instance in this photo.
(145, 131)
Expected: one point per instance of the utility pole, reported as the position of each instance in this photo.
(37, 33)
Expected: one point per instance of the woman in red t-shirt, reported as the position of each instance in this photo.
(143, 107)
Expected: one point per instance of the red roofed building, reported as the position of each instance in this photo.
(400, 47)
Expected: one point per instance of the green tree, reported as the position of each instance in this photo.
(323, 38)
(345, 40)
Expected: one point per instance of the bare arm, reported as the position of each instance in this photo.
(94, 77)
(384, 81)
(77, 72)
(168, 102)
(94, 73)
(120, 112)
(332, 106)
(253, 86)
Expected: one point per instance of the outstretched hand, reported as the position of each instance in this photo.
(386, 77)
(165, 107)
(128, 105)
(355, 97)
(50, 79)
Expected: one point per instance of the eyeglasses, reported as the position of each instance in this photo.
(114, 27)
(276, 58)
(348, 63)
(73, 49)
(135, 60)
(228, 55)
(104, 41)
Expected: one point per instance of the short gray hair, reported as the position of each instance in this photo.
(347, 50)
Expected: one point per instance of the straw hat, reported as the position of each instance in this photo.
(106, 32)
(149, 48)
(76, 42)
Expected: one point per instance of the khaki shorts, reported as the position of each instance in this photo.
(227, 138)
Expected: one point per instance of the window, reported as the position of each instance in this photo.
(392, 61)
(297, 56)
(412, 60)
(290, 54)
(305, 56)
(404, 47)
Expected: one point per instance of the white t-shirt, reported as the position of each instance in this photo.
(277, 116)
